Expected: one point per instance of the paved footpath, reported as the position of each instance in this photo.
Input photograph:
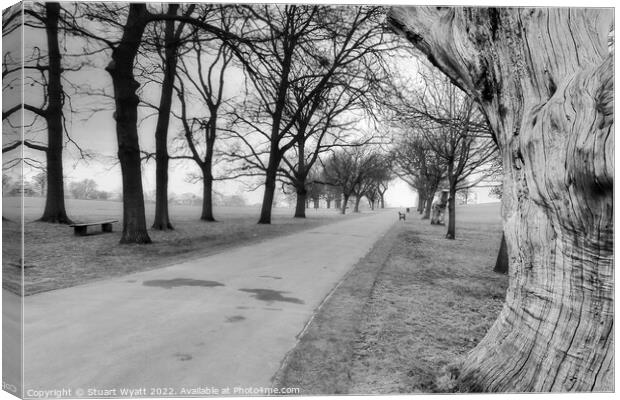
(226, 320)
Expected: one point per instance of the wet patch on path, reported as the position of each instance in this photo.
(177, 282)
(235, 318)
(270, 295)
(183, 356)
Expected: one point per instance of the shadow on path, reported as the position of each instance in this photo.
(177, 282)
(272, 295)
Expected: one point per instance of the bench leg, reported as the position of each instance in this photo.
(106, 227)
(79, 230)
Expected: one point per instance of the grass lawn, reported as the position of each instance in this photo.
(407, 313)
(55, 258)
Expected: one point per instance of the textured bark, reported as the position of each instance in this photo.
(451, 233)
(207, 194)
(126, 115)
(421, 201)
(300, 206)
(55, 200)
(162, 219)
(544, 78)
(501, 264)
(429, 206)
(345, 202)
(357, 204)
(270, 185)
(275, 152)
(301, 175)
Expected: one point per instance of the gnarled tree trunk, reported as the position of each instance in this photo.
(544, 78)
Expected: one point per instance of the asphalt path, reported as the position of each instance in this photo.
(222, 322)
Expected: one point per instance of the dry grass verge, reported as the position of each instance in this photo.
(320, 363)
(55, 258)
(431, 301)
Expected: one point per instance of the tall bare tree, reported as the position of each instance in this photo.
(311, 48)
(317, 131)
(49, 67)
(456, 132)
(169, 55)
(544, 79)
(207, 82)
(136, 17)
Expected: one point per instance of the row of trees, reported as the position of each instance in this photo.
(310, 74)
(360, 172)
(441, 140)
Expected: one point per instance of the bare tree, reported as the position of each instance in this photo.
(169, 56)
(49, 67)
(353, 170)
(375, 169)
(382, 187)
(207, 82)
(313, 48)
(383, 177)
(124, 50)
(419, 166)
(455, 131)
(316, 132)
(548, 96)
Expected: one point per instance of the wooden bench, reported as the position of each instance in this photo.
(402, 216)
(81, 228)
